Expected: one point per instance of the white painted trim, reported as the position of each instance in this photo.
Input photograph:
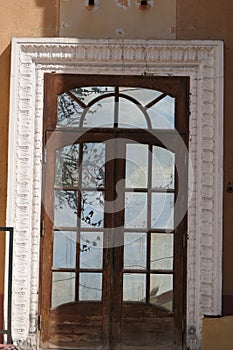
(202, 61)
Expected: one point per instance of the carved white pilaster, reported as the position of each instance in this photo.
(202, 61)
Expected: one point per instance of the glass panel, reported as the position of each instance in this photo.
(144, 96)
(67, 166)
(130, 116)
(91, 250)
(64, 249)
(136, 165)
(69, 111)
(90, 286)
(100, 114)
(162, 251)
(93, 170)
(135, 245)
(162, 210)
(87, 94)
(134, 287)
(92, 209)
(163, 168)
(162, 114)
(161, 291)
(135, 210)
(65, 211)
(63, 288)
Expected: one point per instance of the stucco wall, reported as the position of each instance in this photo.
(217, 333)
(118, 19)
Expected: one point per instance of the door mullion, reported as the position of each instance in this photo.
(108, 287)
(118, 262)
(79, 209)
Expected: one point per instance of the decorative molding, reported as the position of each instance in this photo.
(202, 61)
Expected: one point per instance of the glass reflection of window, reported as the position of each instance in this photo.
(125, 107)
(149, 225)
(79, 191)
(149, 197)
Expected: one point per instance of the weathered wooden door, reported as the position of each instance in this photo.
(113, 240)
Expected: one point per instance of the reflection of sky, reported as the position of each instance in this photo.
(162, 114)
(102, 112)
(130, 115)
(144, 96)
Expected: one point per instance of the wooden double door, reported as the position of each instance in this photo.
(112, 247)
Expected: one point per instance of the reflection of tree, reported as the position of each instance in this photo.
(67, 165)
(72, 104)
(87, 244)
(89, 175)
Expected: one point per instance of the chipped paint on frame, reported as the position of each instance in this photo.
(124, 4)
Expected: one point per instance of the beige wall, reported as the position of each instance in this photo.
(19, 18)
(118, 19)
(217, 333)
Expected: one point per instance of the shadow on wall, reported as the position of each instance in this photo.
(51, 17)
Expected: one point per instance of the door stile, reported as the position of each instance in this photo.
(46, 246)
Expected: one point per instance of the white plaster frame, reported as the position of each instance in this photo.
(202, 61)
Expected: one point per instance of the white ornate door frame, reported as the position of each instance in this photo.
(202, 61)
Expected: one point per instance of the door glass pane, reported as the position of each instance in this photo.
(135, 245)
(161, 290)
(92, 209)
(135, 210)
(64, 249)
(90, 286)
(91, 250)
(93, 160)
(65, 210)
(134, 287)
(100, 114)
(163, 168)
(130, 116)
(63, 288)
(88, 93)
(144, 96)
(69, 111)
(67, 166)
(162, 210)
(136, 165)
(162, 114)
(162, 251)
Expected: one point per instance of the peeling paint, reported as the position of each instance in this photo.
(64, 25)
(120, 32)
(92, 8)
(125, 4)
(173, 29)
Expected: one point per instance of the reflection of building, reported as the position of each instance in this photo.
(202, 20)
(164, 300)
